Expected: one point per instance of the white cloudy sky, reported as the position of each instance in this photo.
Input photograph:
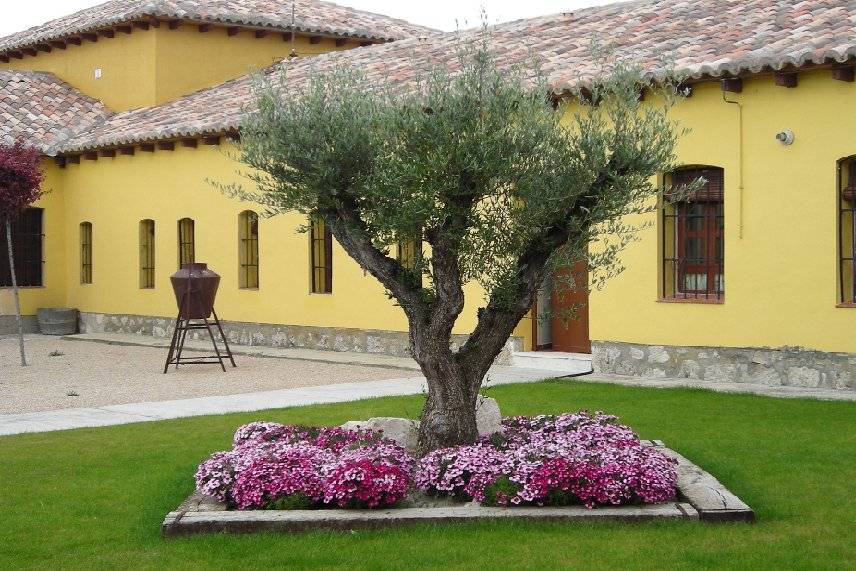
(442, 14)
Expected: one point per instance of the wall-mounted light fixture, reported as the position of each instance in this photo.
(785, 137)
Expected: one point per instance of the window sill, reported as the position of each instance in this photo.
(720, 301)
(23, 287)
(320, 293)
(248, 289)
(846, 304)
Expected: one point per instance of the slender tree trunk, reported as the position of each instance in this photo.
(15, 292)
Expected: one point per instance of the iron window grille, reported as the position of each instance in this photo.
(248, 223)
(147, 254)
(28, 250)
(321, 256)
(693, 237)
(847, 231)
(86, 252)
(186, 241)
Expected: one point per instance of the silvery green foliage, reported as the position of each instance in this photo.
(479, 158)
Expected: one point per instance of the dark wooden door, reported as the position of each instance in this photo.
(571, 335)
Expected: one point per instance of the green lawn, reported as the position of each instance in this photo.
(95, 498)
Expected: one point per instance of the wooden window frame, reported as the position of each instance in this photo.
(248, 250)
(147, 253)
(677, 231)
(28, 244)
(86, 253)
(320, 257)
(846, 220)
(186, 241)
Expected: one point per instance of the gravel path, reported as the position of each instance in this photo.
(72, 374)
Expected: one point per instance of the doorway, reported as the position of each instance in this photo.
(552, 328)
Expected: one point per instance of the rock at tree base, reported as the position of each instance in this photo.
(406, 432)
(488, 418)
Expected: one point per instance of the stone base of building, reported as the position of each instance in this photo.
(9, 324)
(785, 366)
(394, 343)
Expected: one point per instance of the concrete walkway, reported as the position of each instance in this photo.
(407, 384)
(339, 357)
(152, 411)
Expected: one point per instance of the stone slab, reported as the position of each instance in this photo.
(700, 497)
(713, 501)
(296, 521)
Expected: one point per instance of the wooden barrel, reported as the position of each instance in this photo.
(57, 321)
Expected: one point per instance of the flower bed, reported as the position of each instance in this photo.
(580, 458)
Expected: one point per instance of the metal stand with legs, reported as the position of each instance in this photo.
(179, 336)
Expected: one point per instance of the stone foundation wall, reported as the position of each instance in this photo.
(786, 366)
(9, 324)
(395, 343)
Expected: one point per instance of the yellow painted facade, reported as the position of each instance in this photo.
(115, 194)
(780, 230)
(151, 67)
(781, 236)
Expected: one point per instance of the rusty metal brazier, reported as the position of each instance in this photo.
(195, 288)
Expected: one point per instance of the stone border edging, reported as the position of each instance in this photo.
(701, 497)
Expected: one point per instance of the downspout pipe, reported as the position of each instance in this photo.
(739, 162)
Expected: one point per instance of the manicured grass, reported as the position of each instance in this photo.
(95, 498)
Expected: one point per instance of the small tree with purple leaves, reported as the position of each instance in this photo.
(20, 186)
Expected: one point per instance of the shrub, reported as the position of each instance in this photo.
(362, 483)
(279, 466)
(580, 458)
(552, 460)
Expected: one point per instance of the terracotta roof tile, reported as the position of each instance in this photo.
(699, 37)
(311, 16)
(43, 111)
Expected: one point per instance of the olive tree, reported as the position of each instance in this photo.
(496, 179)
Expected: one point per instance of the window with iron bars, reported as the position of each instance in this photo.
(147, 254)
(321, 256)
(28, 250)
(693, 237)
(847, 231)
(248, 264)
(86, 252)
(186, 241)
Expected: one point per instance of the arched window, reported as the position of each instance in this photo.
(186, 241)
(86, 252)
(693, 225)
(147, 254)
(248, 235)
(321, 256)
(847, 231)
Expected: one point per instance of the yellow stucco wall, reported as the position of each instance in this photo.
(126, 62)
(114, 194)
(780, 270)
(53, 292)
(187, 60)
(781, 274)
(151, 67)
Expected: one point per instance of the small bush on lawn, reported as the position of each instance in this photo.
(580, 458)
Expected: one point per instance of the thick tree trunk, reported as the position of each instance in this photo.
(449, 415)
(15, 291)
